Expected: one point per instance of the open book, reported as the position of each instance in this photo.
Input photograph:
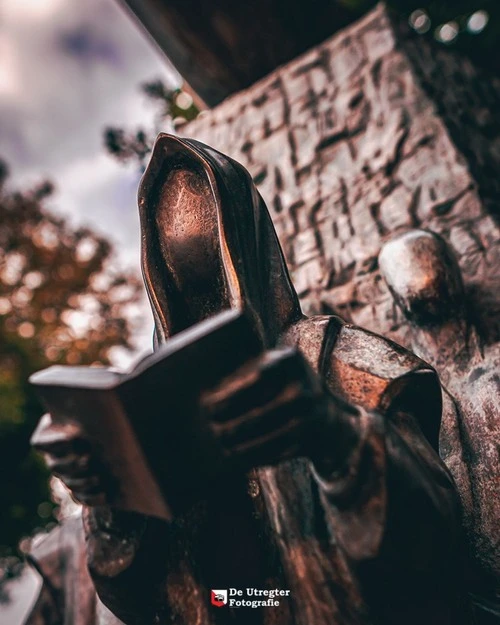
(145, 426)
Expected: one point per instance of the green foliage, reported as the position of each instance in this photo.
(175, 104)
(61, 302)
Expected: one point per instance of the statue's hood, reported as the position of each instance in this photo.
(255, 277)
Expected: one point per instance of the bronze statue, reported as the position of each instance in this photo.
(341, 497)
(429, 289)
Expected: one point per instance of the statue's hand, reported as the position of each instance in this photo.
(68, 455)
(263, 413)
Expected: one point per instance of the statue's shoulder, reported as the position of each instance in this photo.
(325, 337)
(369, 370)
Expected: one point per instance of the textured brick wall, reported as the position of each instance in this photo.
(368, 134)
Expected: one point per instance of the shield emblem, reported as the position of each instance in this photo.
(218, 597)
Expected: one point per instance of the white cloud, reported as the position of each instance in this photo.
(67, 70)
(79, 69)
(30, 10)
(10, 83)
(99, 191)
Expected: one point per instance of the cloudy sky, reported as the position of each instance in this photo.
(68, 68)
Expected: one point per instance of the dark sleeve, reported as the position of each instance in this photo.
(392, 503)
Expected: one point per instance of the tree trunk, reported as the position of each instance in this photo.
(369, 135)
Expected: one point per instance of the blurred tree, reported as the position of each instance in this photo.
(61, 302)
(175, 106)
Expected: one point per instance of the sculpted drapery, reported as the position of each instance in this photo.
(348, 504)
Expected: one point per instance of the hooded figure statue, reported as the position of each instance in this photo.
(348, 516)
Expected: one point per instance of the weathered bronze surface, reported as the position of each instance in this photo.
(350, 508)
(375, 133)
(145, 458)
(425, 280)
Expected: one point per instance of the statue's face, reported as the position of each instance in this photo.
(188, 232)
(208, 243)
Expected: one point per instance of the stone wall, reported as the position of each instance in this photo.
(371, 133)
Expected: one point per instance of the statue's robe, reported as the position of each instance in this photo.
(375, 541)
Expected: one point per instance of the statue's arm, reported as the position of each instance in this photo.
(388, 498)
(390, 501)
